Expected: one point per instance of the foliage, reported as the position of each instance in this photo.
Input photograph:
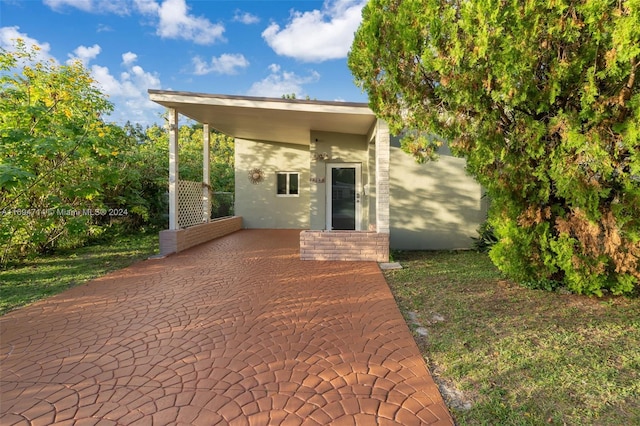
(44, 276)
(221, 167)
(293, 96)
(486, 238)
(55, 151)
(504, 355)
(221, 164)
(67, 176)
(142, 184)
(190, 137)
(542, 100)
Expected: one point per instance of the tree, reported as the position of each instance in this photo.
(293, 96)
(221, 164)
(542, 99)
(190, 140)
(67, 176)
(55, 151)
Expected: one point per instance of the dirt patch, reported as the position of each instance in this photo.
(453, 397)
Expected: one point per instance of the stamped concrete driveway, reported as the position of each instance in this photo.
(236, 331)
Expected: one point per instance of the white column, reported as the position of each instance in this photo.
(206, 188)
(382, 177)
(173, 169)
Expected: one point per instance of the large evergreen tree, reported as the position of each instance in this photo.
(543, 100)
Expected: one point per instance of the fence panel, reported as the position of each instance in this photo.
(189, 203)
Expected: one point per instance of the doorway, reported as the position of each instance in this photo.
(344, 196)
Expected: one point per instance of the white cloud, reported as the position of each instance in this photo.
(107, 82)
(119, 7)
(84, 54)
(176, 22)
(128, 91)
(9, 35)
(245, 17)
(171, 17)
(85, 5)
(227, 63)
(318, 35)
(129, 58)
(147, 7)
(279, 83)
(102, 28)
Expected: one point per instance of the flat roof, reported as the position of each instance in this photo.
(268, 119)
(257, 98)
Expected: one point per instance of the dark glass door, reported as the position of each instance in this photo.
(343, 198)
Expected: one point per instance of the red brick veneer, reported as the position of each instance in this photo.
(344, 245)
(173, 241)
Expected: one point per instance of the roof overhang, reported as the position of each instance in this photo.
(268, 119)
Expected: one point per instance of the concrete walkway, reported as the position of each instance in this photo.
(236, 331)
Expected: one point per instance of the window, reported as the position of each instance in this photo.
(288, 184)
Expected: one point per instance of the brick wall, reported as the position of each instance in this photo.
(173, 241)
(344, 245)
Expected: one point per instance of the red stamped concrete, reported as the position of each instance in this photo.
(236, 331)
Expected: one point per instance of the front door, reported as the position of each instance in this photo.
(343, 196)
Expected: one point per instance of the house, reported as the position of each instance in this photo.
(330, 169)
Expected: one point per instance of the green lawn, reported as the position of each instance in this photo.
(506, 355)
(50, 274)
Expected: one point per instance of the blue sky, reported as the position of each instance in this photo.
(255, 48)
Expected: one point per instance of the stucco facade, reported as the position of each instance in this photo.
(341, 148)
(261, 207)
(347, 184)
(258, 203)
(435, 205)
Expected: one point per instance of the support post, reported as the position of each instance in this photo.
(173, 170)
(206, 181)
(382, 177)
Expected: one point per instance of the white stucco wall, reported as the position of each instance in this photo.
(434, 206)
(258, 204)
(341, 148)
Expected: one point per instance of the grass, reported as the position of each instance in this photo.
(46, 275)
(507, 355)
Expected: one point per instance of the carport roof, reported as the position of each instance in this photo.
(268, 119)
